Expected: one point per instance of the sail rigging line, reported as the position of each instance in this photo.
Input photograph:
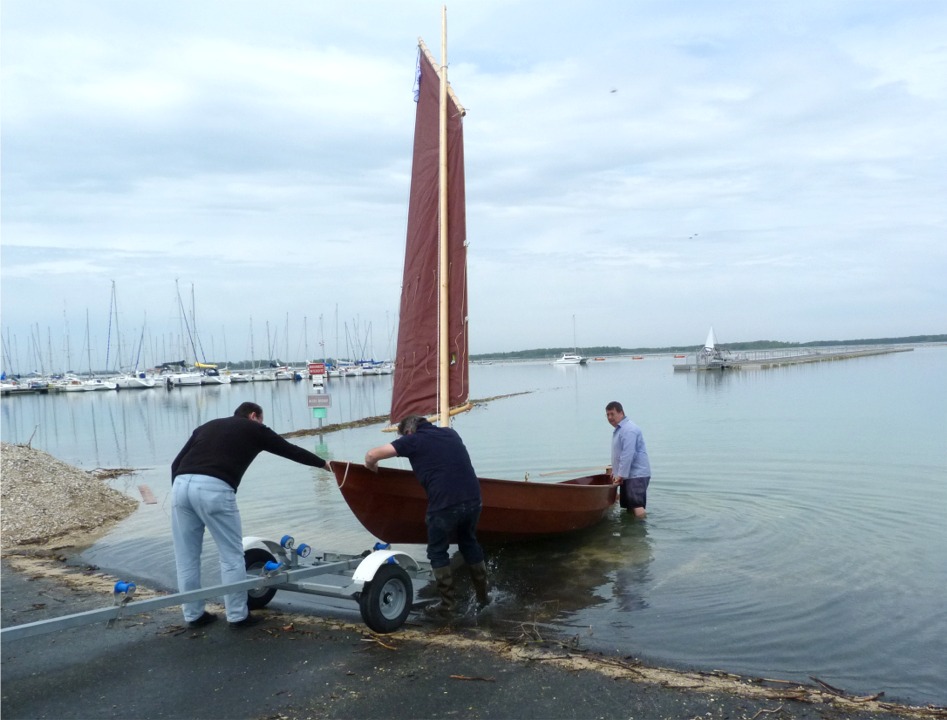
(196, 334)
(108, 341)
(443, 400)
(141, 342)
(187, 326)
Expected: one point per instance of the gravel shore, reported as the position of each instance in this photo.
(44, 499)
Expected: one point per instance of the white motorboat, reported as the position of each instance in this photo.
(210, 375)
(184, 379)
(71, 383)
(133, 381)
(216, 379)
(284, 372)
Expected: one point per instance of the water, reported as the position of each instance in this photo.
(795, 522)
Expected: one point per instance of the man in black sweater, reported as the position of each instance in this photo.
(205, 476)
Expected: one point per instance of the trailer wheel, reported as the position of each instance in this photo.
(255, 559)
(386, 601)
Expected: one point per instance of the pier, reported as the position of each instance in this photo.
(723, 360)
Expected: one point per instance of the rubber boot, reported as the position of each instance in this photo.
(478, 573)
(445, 586)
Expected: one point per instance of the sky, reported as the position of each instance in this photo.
(637, 171)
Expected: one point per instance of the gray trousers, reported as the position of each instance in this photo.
(200, 501)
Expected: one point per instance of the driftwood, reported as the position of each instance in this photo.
(466, 677)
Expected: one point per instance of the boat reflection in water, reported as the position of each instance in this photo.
(606, 567)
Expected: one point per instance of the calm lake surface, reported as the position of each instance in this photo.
(796, 515)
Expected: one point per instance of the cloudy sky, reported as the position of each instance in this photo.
(776, 170)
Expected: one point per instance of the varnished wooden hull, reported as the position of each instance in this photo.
(391, 504)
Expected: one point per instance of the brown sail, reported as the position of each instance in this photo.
(416, 362)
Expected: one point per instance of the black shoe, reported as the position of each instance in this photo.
(206, 619)
(249, 621)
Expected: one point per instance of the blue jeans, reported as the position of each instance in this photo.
(200, 501)
(460, 522)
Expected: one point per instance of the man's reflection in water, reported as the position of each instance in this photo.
(547, 580)
(633, 577)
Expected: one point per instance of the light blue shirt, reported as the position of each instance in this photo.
(629, 454)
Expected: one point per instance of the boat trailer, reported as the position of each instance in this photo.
(379, 580)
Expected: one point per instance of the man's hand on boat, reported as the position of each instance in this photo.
(381, 452)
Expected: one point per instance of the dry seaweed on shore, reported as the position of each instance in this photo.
(44, 498)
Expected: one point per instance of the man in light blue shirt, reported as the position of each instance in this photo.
(631, 469)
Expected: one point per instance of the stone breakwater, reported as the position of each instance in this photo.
(44, 499)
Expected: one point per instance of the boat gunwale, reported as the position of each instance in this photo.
(571, 483)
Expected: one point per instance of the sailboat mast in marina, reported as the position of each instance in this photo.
(432, 334)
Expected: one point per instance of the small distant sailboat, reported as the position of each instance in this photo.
(134, 379)
(572, 358)
(710, 357)
(71, 383)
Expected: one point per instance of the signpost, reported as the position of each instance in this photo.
(319, 402)
(323, 400)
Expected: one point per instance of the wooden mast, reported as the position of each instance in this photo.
(443, 392)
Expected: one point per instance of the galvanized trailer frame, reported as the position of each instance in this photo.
(384, 583)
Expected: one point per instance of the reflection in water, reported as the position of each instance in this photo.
(132, 428)
(552, 580)
(712, 380)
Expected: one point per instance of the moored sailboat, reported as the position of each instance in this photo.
(432, 356)
(572, 358)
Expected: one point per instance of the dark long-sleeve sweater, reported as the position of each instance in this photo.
(224, 449)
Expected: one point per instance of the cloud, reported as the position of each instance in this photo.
(653, 169)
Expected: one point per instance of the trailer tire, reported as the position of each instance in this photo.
(386, 601)
(255, 559)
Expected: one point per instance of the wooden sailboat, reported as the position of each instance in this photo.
(431, 366)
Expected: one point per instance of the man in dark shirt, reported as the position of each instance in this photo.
(442, 465)
(205, 476)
